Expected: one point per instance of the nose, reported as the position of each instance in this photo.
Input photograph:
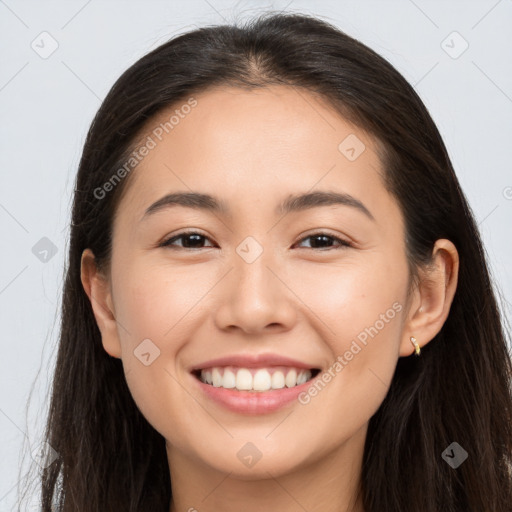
(256, 297)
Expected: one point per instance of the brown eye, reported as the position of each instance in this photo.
(190, 240)
(323, 241)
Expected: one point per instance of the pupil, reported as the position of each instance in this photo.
(324, 238)
(189, 237)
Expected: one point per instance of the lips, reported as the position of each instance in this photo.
(253, 384)
(253, 361)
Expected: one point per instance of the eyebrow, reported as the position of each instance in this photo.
(293, 203)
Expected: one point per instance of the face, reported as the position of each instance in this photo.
(261, 287)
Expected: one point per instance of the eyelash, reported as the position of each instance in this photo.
(343, 243)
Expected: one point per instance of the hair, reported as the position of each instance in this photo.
(111, 458)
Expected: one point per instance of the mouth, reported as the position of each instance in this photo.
(255, 380)
(253, 384)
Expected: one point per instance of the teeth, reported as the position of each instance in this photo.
(243, 379)
(291, 379)
(217, 377)
(302, 377)
(229, 380)
(278, 380)
(262, 379)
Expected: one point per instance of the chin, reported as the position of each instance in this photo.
(247, 462)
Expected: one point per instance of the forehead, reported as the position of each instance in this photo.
(253, 145)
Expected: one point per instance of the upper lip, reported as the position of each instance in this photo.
(252, 361)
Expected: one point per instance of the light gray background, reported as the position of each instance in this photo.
(47, 104)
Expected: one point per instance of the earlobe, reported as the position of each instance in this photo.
(433, 297)
(97, 288)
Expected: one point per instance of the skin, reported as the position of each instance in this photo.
(252, 149)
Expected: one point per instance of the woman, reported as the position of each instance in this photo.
(276, 294)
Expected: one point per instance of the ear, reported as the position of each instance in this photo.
(97, 288)
(432, 298)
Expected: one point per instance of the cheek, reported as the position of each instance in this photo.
(158, 307)
(360, 312)
(354, 301)
(157, 302)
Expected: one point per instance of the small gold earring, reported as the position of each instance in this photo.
(416, 346)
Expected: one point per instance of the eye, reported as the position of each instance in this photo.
(322, 240)
(194, 240)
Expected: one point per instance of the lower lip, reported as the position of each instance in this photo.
(253, 402)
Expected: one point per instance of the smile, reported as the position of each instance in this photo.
(253, 384)
(255, 379)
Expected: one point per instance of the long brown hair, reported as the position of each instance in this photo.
(459, 390)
